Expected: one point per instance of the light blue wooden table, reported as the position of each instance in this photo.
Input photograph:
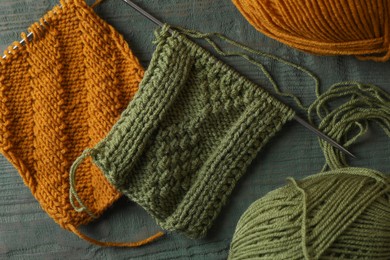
(27, 232)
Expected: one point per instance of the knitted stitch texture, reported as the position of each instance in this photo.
(338, 214)
(61, 93)
(188, 136)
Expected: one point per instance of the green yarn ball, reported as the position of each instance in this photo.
(339, 214)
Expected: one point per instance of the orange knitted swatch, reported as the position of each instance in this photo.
(337, 27)
(59, 94)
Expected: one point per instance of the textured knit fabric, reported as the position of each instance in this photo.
(61, 93)
(188, 136)
(343, 27)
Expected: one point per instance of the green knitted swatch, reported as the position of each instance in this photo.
(187, 137)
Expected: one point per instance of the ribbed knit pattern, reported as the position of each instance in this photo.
(188, 136)
(60, 94)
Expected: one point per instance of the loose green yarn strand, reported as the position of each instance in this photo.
(304, 217)
(361, 104)
(73, 195)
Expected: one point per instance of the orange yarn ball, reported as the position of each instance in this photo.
(325, 27)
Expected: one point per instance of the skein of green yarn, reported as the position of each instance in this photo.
(342, 213)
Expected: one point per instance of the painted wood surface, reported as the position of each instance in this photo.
(27, 232)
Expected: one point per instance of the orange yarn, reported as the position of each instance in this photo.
(331, 27)
(59, 94)
(118, 244)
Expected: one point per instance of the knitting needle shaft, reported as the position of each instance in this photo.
(144, 13)
(296, 118)
(322, 135)
(22, 42)
(29, 37)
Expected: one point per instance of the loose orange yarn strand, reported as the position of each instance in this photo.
(73, 196)
(116, 244)
(97, 2)
(332, 27)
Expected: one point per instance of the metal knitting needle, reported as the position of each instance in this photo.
(323, 136)
(29, 37)
(296, 118)
(22, 42)
(144, 13)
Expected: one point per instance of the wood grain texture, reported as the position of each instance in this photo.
(26, 232)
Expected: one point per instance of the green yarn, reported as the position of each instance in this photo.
(343, 213)
(354, 106)
(339, 214)
(72, 190)
(187, 137)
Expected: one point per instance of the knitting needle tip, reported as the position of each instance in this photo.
(323, 136)
(144, 13)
